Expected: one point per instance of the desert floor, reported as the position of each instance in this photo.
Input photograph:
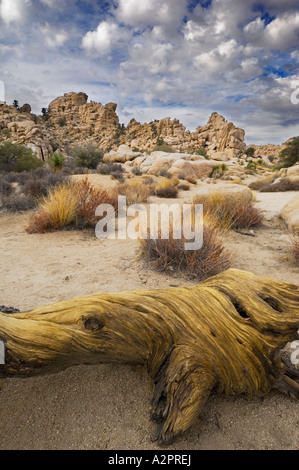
(107, 407)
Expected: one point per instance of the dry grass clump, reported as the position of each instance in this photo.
(171, 255)
(69, 205)
(136, 191)
(167, 187)
(226, 214)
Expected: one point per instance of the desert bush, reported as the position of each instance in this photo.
(136, 191)
(183, 187)
(17, 158)
(251, 166)
(5, 188)
(16, 202)
(171, 255)
(170, 193)
(88, 156)
(88, 199)
(110, 168)
(164, 173)
(162, 146)
(61, 122)
(201, 151)
(136, 171)
(70, 205)
(270, 184)
(226, 214)
(290, 154)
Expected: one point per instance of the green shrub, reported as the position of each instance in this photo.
(88, 156)
(56, 161)
(162, 146)
(201, 151)
(250, 152)
(61, 122)
(290, 155)
(15, 157)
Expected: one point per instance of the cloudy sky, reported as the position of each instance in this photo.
(159, 58)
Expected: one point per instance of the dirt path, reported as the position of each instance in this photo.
(107, 407)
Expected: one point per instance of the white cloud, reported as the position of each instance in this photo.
(53, 36)
(13, 10)
(107, 36)
(139, 13)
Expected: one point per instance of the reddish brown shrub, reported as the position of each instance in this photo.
(171, 255)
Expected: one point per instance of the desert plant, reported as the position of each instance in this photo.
(290, 154)
(109, 168)
(170, 255)
(136, 171)
(251, 166)
(136, 191)
(88, 199)
(183, 187)
(170, 193)
(162, 146)
(5, 188)
(18, 203)
(226, 214)
(56, 161)
(250, 152)
(18, 158)
(70, 205)
(164, 173)
(201, 151)
(272, 186)
(88, 156)
(61, 122)
(56, 211)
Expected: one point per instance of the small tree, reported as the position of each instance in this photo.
(45, 114)
(15, 157)
(290, 155)
(88, 156)
(250, 152)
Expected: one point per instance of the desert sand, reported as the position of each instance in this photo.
(107, 406)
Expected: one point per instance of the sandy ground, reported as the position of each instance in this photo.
(107, 407)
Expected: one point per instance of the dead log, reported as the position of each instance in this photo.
(223, 335)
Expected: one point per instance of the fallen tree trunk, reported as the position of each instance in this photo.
(225, 335)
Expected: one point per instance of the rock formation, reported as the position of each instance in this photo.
(23, 128)
(217, 136)
(72, 120)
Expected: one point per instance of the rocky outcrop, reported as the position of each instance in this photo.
(218, 137)
(21, 127)
(72, 118)
(290, 214)
(234, 193)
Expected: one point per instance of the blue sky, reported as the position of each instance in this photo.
(158, 58)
